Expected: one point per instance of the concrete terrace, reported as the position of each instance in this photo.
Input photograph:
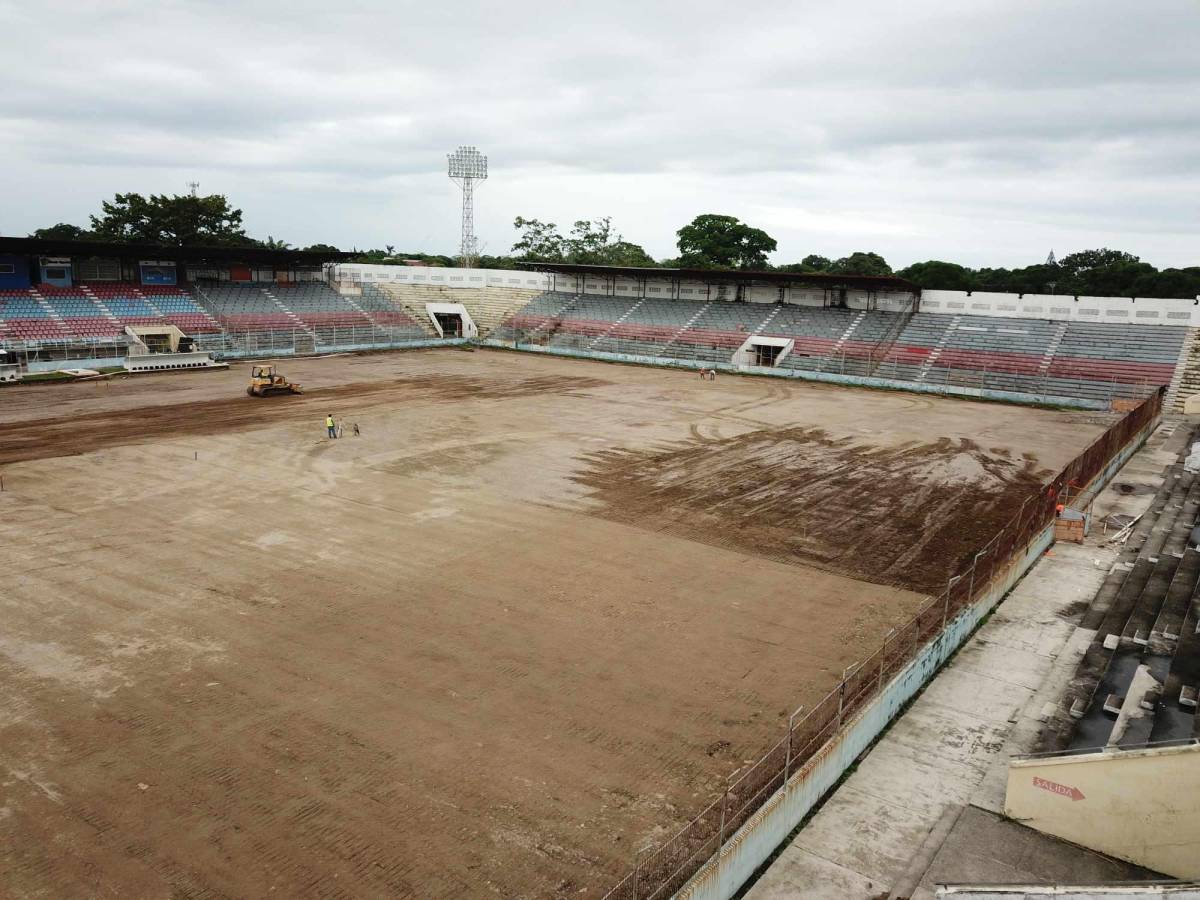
(925, 804)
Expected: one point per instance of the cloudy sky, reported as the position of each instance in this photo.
(981, 131)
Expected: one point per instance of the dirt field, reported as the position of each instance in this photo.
(525, 624)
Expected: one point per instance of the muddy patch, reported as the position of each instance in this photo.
(908, 516)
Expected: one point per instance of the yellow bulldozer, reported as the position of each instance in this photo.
(265, 382)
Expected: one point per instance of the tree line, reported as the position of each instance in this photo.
(709, 241)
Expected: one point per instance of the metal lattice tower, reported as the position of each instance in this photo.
(467, 166)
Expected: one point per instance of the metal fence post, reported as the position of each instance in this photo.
(724, 804)
(787, 759)
(883, 660)
(842, 692)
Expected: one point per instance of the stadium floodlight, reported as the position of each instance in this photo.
(467, 166)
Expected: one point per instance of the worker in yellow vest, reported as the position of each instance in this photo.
(331, 426)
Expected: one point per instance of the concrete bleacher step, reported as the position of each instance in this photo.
(349, 301)
(1123, 614)
(936, 352)
(1111, 603)
(1173, 527)
(765, 323)
(101, 306)
(552, 322)
(411, 299)
(283, 308)
(689, 323)
(1060, 331)
(1177, 666)
(44, 304)
(1185, 382)
(620, 321)
(491, 306)
(850, 329)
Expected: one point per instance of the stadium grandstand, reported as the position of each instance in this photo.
(73, 304)
(69, 304)
(882, 331)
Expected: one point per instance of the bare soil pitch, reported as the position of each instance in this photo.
(525, 624)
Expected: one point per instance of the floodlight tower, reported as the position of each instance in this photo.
(467, 166)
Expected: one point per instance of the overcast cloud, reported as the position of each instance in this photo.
(979, 131)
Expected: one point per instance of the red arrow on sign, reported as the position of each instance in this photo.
(1063, 790)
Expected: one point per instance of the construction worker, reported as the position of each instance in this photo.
(331, 426)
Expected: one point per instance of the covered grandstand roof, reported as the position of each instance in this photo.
(735, 276)
(40, 246)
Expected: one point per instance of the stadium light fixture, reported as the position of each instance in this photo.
(467, 165)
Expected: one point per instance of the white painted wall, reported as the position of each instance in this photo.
(453, 309)
(455, 278)
(1110, 310)
(1137, 805)
(745, 353)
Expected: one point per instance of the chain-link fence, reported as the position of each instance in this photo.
(279, 341)
(76, 348)
(667, 868)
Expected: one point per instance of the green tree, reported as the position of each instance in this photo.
(937, 275)
(588, 240)
(1106, 273)
(811, 263)
(593, 243)
(1084, 260)
(993, 280)
(63, 232)
(321, 248)
(539, 241)
(179, 220)
(388, 256)
(1169, 283)
(271, 244)
(498, 262)
(714, 241)
(589, 243)
(624, 253)
(861, 263)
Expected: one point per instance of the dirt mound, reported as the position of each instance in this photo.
(908, 516)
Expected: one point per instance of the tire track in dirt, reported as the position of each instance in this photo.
(73, 435)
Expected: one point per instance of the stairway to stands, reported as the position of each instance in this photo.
(1186, 380)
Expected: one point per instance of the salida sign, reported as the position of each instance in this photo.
(1063, 790)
